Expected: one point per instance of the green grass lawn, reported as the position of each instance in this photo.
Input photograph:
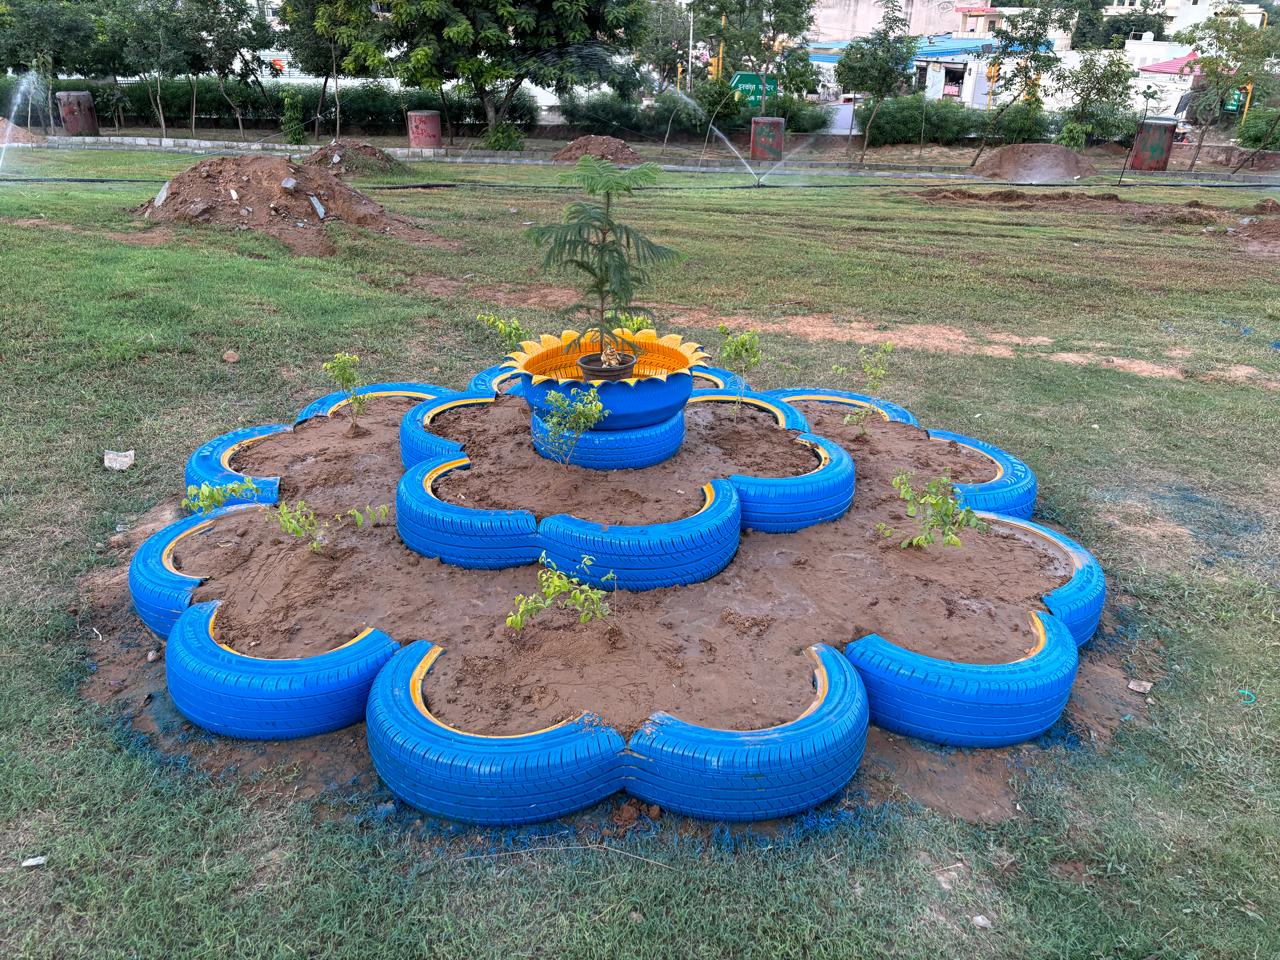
(1171, 481)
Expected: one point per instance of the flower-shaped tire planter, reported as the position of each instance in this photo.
(236, 695)
(700, 771)
(1011, 492)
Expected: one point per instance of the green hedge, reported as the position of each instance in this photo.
(1255, 127)
(367, 106)
(898, 121)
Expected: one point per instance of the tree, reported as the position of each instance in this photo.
(1231, 54)
(878, 65)
(231, 32)
(1093, 31)
(158, 43)
(1096, 89)
(757, 34)
(313, 53)
(492, 46)
(663, 45)
(45, 37)
(1025, 56)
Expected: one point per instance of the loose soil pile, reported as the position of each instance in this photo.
(728, 652)
(1193, 212)
(12, 133)
(1034, 163)
(275, 196)
(348, 158)
(606, 148)
(1262, 237)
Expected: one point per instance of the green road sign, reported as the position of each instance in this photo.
(748, 86)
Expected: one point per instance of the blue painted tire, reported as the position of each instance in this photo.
(482, 779)
(1012, 492)
(418, 443)
(496, 378)
(462, 536)
(787, 504)
(330, 402)
(255, 699)
(788, 417)
(159, 592)
(618, 449)
(1077, 603)
(968, 705)
(890, 411)
(688, 550)
(756, 774)
(723, 379)
(211, 464)
(629, 404)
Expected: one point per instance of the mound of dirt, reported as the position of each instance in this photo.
(1267, 206)
(1034, 163)
(606, 148)
(1262, 237)
(348, 158)
(12, 133)
(272, 195)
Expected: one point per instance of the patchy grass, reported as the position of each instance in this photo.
(1164, 845)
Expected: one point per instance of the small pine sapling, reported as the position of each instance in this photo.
(741, 354)
(568, 419)
(512, 332)
(558, 589)
(344, 371)
(208, 497)
(936, 511)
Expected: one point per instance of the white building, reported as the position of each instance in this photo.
(846, 19)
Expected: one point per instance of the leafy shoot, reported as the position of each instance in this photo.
(936, 511)
(558, 589)
(208, 497)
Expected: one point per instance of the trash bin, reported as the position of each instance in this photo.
(424, 129)
(79, 119)
(767, 136)
(1153, 146)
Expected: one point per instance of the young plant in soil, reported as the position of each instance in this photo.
(936, 511)
(569, 418)
(875, 367)
(512, 332)
(558, 589)
(612, 258)
(208, 497)
(741, 354)
(344, 371)
(300, 521)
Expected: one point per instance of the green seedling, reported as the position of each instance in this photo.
(301, 521)
(936, 511)
(558, 589)
(344, 371)
(208, 497)
(568, 419)
(741, 354)
(512, 332)
(875, 367)
(374, 516)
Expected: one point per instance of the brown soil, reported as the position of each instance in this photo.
(528, 295)
(253, 193)
(12, 133)
(347, 158)
(1034, 163)
(606, 148)
(1193, 212)
(680, 650)
(496, 437)
(1262, 237)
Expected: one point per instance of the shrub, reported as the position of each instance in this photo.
(1255, 126)
(505, 136)
(1023, 123)
(945, 121)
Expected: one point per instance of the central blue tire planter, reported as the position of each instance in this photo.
(255, 699)
(684, 551)
(723, 379)
(1012, 492)
(618, 449)
(1077, 603)
(331, 402)
(787, 504)
(211, 464)
(418, 443)
(756, 774)
(483, 779)
(890, 411)
(159, 592)
(628, 404)
(963, 704)
(786, 415)
(462, 536)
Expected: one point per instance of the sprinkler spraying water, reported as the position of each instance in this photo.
(23, 90)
